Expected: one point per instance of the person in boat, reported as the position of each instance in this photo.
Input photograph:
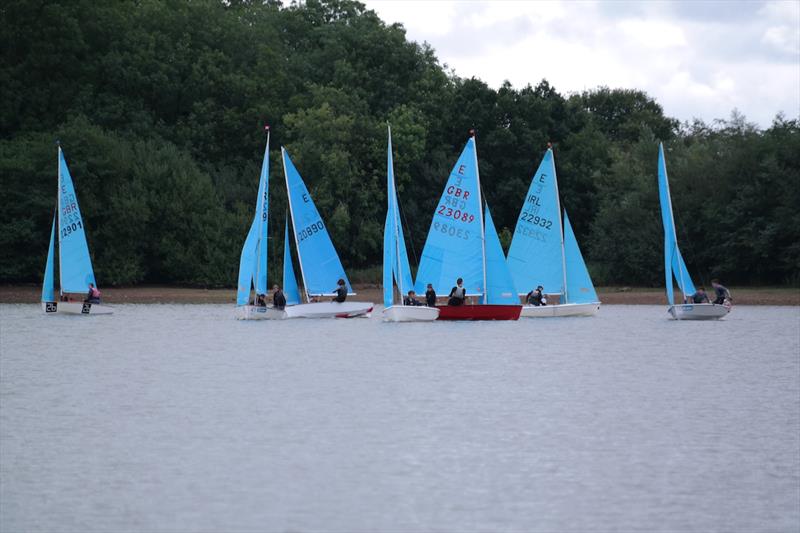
(278, 298)
(430, 296)
(341, 291)
(93, 296)
(721, 292)
(699, 297)
(457, 294)
(261, 300)
(536, 297)
(411, 299)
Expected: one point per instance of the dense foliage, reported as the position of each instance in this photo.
(159, 106)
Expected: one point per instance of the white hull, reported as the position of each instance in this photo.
(409, 313)
(330, 310)
(75, 308)
(546, 311)
(253, 312)
(698, 311)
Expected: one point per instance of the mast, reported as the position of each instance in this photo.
(58, 219)
(260, 216)
(291, 213)
(672, 219)
(560, 232)
(480, 214)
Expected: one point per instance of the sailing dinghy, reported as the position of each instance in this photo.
(460, 246)
(542, 253)
(75, 271)
(395, 259)
(253, 260)
(320, 267)
(673, 261)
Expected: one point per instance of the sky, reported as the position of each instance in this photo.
(698, 59)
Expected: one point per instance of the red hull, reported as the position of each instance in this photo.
(479, 312)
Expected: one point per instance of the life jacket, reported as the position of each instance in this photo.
(95, 292)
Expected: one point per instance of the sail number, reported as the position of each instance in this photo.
(456, 214)
(69, 228)
(536, 220)
(451, 230)
(308, 231)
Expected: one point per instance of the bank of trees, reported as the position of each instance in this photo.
(160, 108)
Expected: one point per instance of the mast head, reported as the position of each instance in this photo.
(472, 132)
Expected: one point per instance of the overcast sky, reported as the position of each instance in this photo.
(696, 58)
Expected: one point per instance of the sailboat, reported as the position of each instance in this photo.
(253, 259)
(543, 253)
(75, 271)
(456, 247)
(320, 267)
(395, 258)
(673, 261)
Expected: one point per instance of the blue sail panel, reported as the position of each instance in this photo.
(535, 255)
(262, 218)
(500, 286)
(673, 261)
(389, 245)
(48, 290)
(319, 262)
(289, 280)
(75, 263)
(580, 289)
(247, 264)
(404, 275)
(454, 247)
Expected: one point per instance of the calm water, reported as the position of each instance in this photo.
(179, 418)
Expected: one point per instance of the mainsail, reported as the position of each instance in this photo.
(320, 266)
(535, 255)
(500, 286)
(673, 261)
(395, 257)
(74, 262)
(454, 247)
(253, 259)
(579, 284)
(48, 290)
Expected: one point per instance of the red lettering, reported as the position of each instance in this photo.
(450, 190)
(461, 170)
(458, 192)
(466, 195)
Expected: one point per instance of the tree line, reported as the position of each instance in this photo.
(160, 107)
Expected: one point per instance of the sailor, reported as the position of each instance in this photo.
(457, 293)
(93, 296)
(536, 297)
(261, 300)
(410, 299)
(341, 291)
(721, 291)
(278, 298)
(430, 296)
(699, 297)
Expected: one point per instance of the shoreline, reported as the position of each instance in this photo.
(150, 294)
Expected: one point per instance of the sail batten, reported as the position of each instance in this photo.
(75, 265)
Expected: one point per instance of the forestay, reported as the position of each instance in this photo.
(454, 247)
(579, 284)
(74, 262)
(48, 290)
(673, 261)
(500, 286)
(319, 263)
(535, 256)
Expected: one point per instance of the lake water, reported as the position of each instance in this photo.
(179, 418)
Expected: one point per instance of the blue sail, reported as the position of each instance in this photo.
(499, 284)
(395, 257)
(454, 247)
(673, 261)
(289, 280)
(262, 219)
(535, 255)
(75, 264)
(388, 258)
(247, 264)
(48, 291)
(580, 289)
(319, 263)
